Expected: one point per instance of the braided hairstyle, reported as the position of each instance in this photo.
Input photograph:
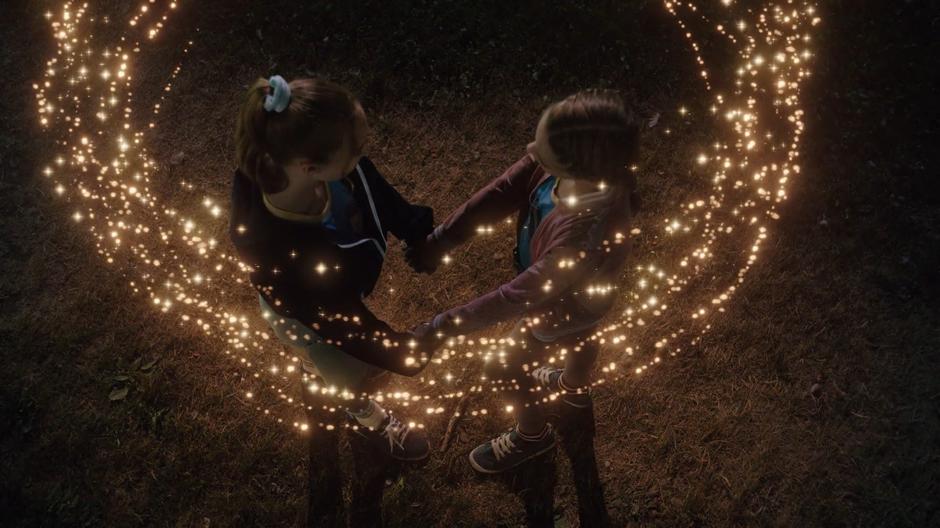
(597, 137)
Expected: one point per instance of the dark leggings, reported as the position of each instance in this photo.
(577, 372)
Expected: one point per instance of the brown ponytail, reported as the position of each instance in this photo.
(597, 137)
(314, 125)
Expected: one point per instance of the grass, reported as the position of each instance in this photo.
(813, 402)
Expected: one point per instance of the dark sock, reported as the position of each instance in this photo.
(566, 387)
(533, 437)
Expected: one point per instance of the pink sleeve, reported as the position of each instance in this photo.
(494, 202)
(541, 282)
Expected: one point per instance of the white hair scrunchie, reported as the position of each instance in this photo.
(279, 97)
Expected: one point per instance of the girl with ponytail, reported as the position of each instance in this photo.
(574, 195)
(310, 220)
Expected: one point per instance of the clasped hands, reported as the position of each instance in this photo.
(424, 256)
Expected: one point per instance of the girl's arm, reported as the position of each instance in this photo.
(491, 204)
(325, 299)
(582, 247)
(539, 284)
(408, 222)
(354, 329)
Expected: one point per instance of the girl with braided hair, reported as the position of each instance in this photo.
(574, 195)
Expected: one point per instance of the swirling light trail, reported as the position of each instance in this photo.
(169, 254)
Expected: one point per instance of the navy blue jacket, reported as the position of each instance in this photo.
(306, 273)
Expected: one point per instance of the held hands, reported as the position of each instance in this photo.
(429, 339)
(424, 344)
(423, 255)
(425, 336)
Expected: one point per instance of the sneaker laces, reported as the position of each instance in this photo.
(502, 445)
(544, 376)
(396, 432)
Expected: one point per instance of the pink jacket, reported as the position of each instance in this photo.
(565, 298)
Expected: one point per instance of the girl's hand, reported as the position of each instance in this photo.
(427, 342)
(422, 256)
(426, 337)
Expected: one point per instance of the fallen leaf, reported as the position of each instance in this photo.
(118, 394)
(150, 364)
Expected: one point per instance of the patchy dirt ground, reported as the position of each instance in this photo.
(814, 402)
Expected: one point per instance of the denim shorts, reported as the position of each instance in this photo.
(318, 358)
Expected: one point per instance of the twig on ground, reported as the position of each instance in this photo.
(458, 412)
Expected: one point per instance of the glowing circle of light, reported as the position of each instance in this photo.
(172, 254)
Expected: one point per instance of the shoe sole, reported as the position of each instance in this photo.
(412, 460)
(479, 469)
(565, 399)
(383, 452)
